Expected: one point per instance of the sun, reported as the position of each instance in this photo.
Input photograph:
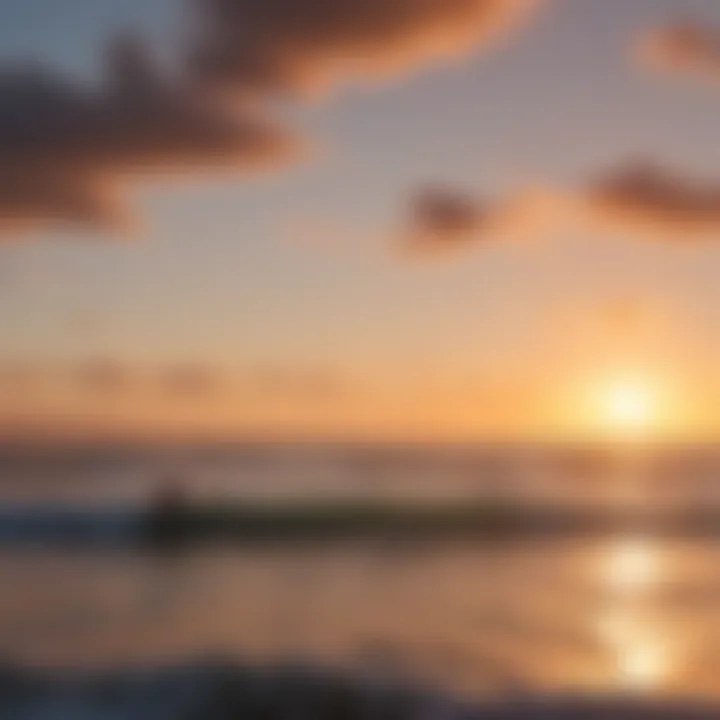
(628, 406)
(621, 403)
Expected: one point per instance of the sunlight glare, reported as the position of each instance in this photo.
(641, 649)
(633, 565)
(643, 665)
(628, 407)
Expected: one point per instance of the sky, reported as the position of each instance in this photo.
(293, 291)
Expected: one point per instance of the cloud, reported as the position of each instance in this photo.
(441, 218)
(30, 197)
(107, 376)
(683, 49)
(306, 45)
(637, 199)
(649, 199)
(68, 151)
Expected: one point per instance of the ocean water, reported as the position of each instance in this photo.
(581, 476)
(624, 615)
(629, 613)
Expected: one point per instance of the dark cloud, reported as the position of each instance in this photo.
(67, 150)
(444, 218)
(30, 196)
(648, 198)
(304, 45)
(137, 122)
(682, 48)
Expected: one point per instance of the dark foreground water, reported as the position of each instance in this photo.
(231, 691)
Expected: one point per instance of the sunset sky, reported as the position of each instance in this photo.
(300, 299)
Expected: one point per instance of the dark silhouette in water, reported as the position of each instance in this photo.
(167, 520)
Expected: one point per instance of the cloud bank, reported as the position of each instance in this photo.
(69, 152)
(308, 45)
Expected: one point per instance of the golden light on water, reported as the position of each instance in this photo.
(632, 565)
(643, 664)
(641, 652)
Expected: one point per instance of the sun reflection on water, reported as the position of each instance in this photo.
(633, 566)
(641, 651)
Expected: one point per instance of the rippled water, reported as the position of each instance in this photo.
(627, 613)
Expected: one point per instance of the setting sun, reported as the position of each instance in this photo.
(628, 406)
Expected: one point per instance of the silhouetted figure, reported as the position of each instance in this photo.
(168, 515)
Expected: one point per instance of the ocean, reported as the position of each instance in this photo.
(579, 476)
(626, 612)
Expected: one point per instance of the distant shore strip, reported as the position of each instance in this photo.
(194, 523)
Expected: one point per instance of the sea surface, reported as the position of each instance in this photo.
(101, 476)
(629, 613)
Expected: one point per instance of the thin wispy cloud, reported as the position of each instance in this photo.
(190, 382)
(111, 379)
(298, 384)
(107, 378)
(102, 377)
